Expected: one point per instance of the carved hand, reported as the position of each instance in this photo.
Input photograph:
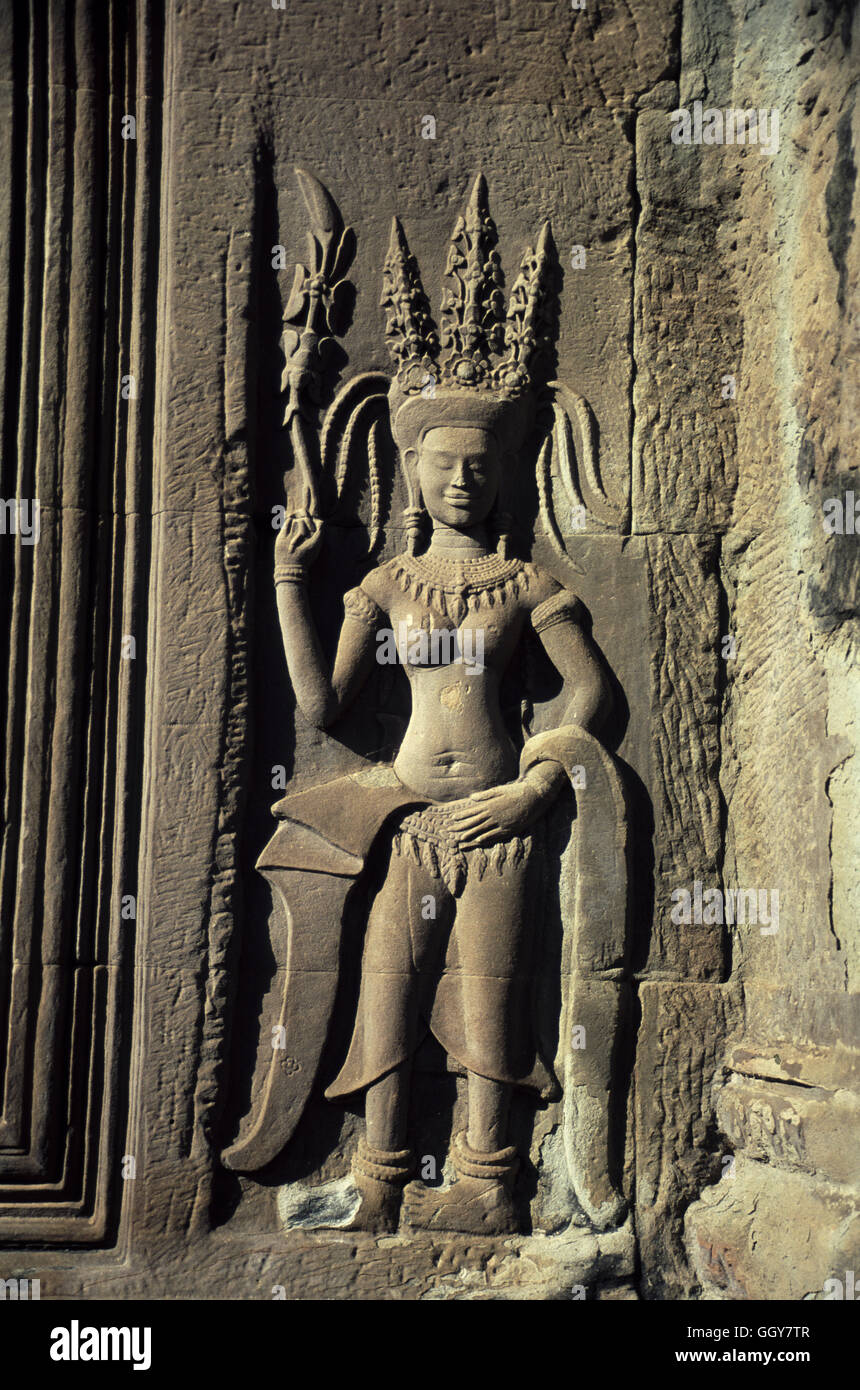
(498, 813)
(298, 540)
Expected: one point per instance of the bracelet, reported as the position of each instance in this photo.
(290, 574)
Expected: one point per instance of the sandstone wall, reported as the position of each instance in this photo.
(150, 776)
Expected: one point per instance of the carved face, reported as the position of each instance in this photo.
(458, 471)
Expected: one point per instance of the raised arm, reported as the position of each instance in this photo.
(320, 696)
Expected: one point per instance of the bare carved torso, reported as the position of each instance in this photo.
(456, 742)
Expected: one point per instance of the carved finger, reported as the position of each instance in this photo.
(475, 829)
(485, 837)
(488, 837)
(301, 532)
(470, 816)
(479, 827)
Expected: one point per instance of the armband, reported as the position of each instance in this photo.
(563, 607)
(359, 605)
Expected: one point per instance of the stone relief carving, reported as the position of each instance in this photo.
(457, 821)
(146, 965)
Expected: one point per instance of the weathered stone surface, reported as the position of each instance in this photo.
(764, 1233)
(792, 1126)
(788, 724)
(143, 961)
(679, 1052)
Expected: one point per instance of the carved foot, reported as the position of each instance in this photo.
(379, 1208)
(473, 1206)
(479, 1203)
(379, 1176)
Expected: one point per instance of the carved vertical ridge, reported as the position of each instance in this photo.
(71, 789)
(27, 696)
(225, 896)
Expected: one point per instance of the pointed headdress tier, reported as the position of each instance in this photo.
(483, 365)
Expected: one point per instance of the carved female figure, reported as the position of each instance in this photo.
(449, 937)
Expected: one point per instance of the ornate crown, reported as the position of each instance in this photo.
(481, 366)
(484, 366)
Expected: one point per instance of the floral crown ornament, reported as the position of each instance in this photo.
(486, 366)
(473, 304)
(480, 364)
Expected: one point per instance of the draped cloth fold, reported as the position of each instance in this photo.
(477, 994)
(450, 949)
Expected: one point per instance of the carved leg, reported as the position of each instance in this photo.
(379, 1175)
(480, 1201)
(382, 1165)
(489, 1102)
(399, 942)
(385, 1109)
(483, 1004)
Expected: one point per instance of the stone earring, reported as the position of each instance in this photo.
(414, 521)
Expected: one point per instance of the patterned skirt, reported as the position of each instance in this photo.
(429, 840)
